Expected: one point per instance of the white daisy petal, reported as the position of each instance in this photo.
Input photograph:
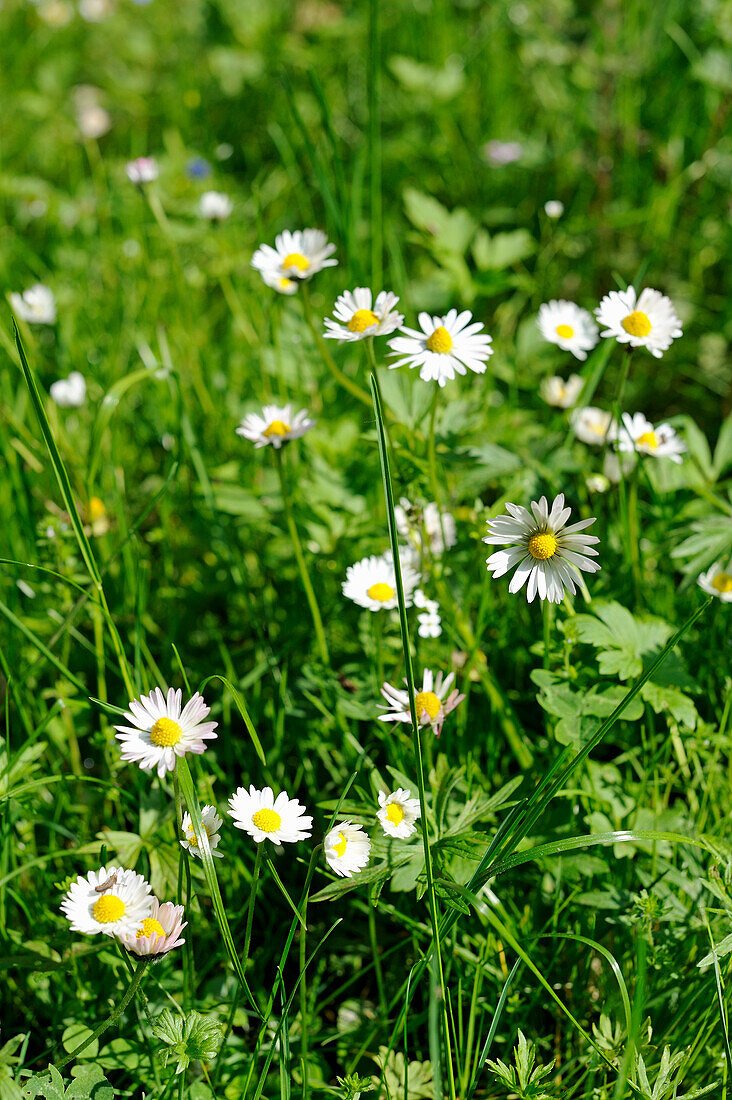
(649, 322)
(398, 813)
(347, 849)
(433, 701)
(256, 812)
(445, 346)
(159, 731)
(275, 426)
(371, 583)
(112, 900)
(571, 328)
(296, 257)
(717, 582)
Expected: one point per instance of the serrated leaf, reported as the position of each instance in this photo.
(672, 701)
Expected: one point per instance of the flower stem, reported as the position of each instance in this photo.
(547, 608)
(432, 461)
(115, 1014)
(342, 379)
(252, 902)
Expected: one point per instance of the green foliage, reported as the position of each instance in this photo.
(89, 1083)
(525, 1076)
(187, 1038)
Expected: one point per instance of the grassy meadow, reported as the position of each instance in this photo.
(557, 922)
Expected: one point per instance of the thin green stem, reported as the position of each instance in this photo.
(252, 902)
(303, 956)
(341, 378)
(547, 611)
(114, 1015)
(374, 140)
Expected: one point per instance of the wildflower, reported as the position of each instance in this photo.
(211, 824)
(112, 900)
(160, 732)
(91, 118)
(430, 622)
(567, 325)
(347, 849)
(503, 152)
(69, 393)
(432, 702)
(279, 283)
(597, 483)
(355, 318)
(717, 582)
(198, 168)
(37, 305)
(274, 426)
(592, 425)
(553, 208)
(295, 256)
(265, 817)
(438, 526)
(563, 395)
(215, 206)
(648, 322)
(158, 933)
(142, 170)
(547, 553)
(445, 345)
(94, 11)
(371, 583)
(398, 813)
(638, 434)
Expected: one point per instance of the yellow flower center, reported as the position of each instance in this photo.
(340, 847)
(108, 909)
(381, 592)
(193, 839)
(723, 582)
(96, 509)
(543, 546)
(150, 927)
(648, 439)
(362, 319)
(440, 341)
(284, 283)
(277, 427)
(565, 331)
(268, 821)
(165, 732)
(636, 323)
(296, 259)
(395, 813)
(427, 701)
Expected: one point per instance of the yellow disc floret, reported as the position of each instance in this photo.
(648, 439)
(427, 701)
(277, 427)
(193, 839)
(296, 259)
(395, 813)
(722, 582)
(340, 846)
(165, 733)
(440, 341)
(566, 332)
(150, 927)
(267, 820)
(381, 592)
(362, 319)
(108, 909)
(543, 546)
(637, 323)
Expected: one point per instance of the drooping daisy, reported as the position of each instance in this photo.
(398, 813)
(547, 553)
(717, 582)
(347, 849)
(112, 900)
(298, 255)
(158, 933)
(274, 426)
(563, 395)
(215, 205)
(565, 324)
(280, 283)
(592, 425)
(69, 393)
(142, 170)
(445, 346)
(211, 823)
(371, 583)
(161, 732)
(412, 521)
(433, 702)
(648, 322)
(638, 434)
(356, 319)
(264, 817)
(37, 305)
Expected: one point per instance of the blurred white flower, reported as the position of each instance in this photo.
(648, 322)
(142, 170)
(347, 849)
(215, 205)
(37, 305)
(446, 346)
(57, 13)
(371, 583)
(563, 395)
(638, 434)
(355, 318)
(553, 208)
(411, 521)
(95, 11)
(717, 582)
(91, 118)
(69, 393)
(567, 325)
(592, 425)
(597, 483)
(296, 256)
(503, 152)
(398, 813)
(276, 425)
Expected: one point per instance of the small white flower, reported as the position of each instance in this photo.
(69, 393)
(212, 824)
(280, 283)
(563, 395)
(638, 434)
(411, 521)
(597, 483)
(37, 305)
(430, 624)
(398, 813)
(371, 583)
(112, 900)
(648, 322)
(445, 346)
(356, 319)
(611, 467)
(503, 152)
(717, 582)
(592, 425)
(432, 703)
(142, 170)
(158, 933)
(295, 256)
(565, 324)
(274, 426)
(215, 206)
(553, 208)
(93, 121)
(95, 11)
(160, 732)
(546, 553)
(347, 849)
(264, 817)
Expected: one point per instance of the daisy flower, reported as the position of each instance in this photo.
(592, 425)
(563, 395)
(142, 170)
(211, 823)
(69, 393)
(274, 425)
(112, 900)
(398, 812)
(412, 520)
(355, 319)
(647, 322)
(347, 849)
(445, 346)
(160, 732)
(433, 702)
(215, 205)
(565, 324)
(280, 283)
(265, 817)
(37, 305)
(298, 255)
(638, 434)
(717, 582)
(371, 583)
(429, 619)
(548, 554)
(158, 933)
